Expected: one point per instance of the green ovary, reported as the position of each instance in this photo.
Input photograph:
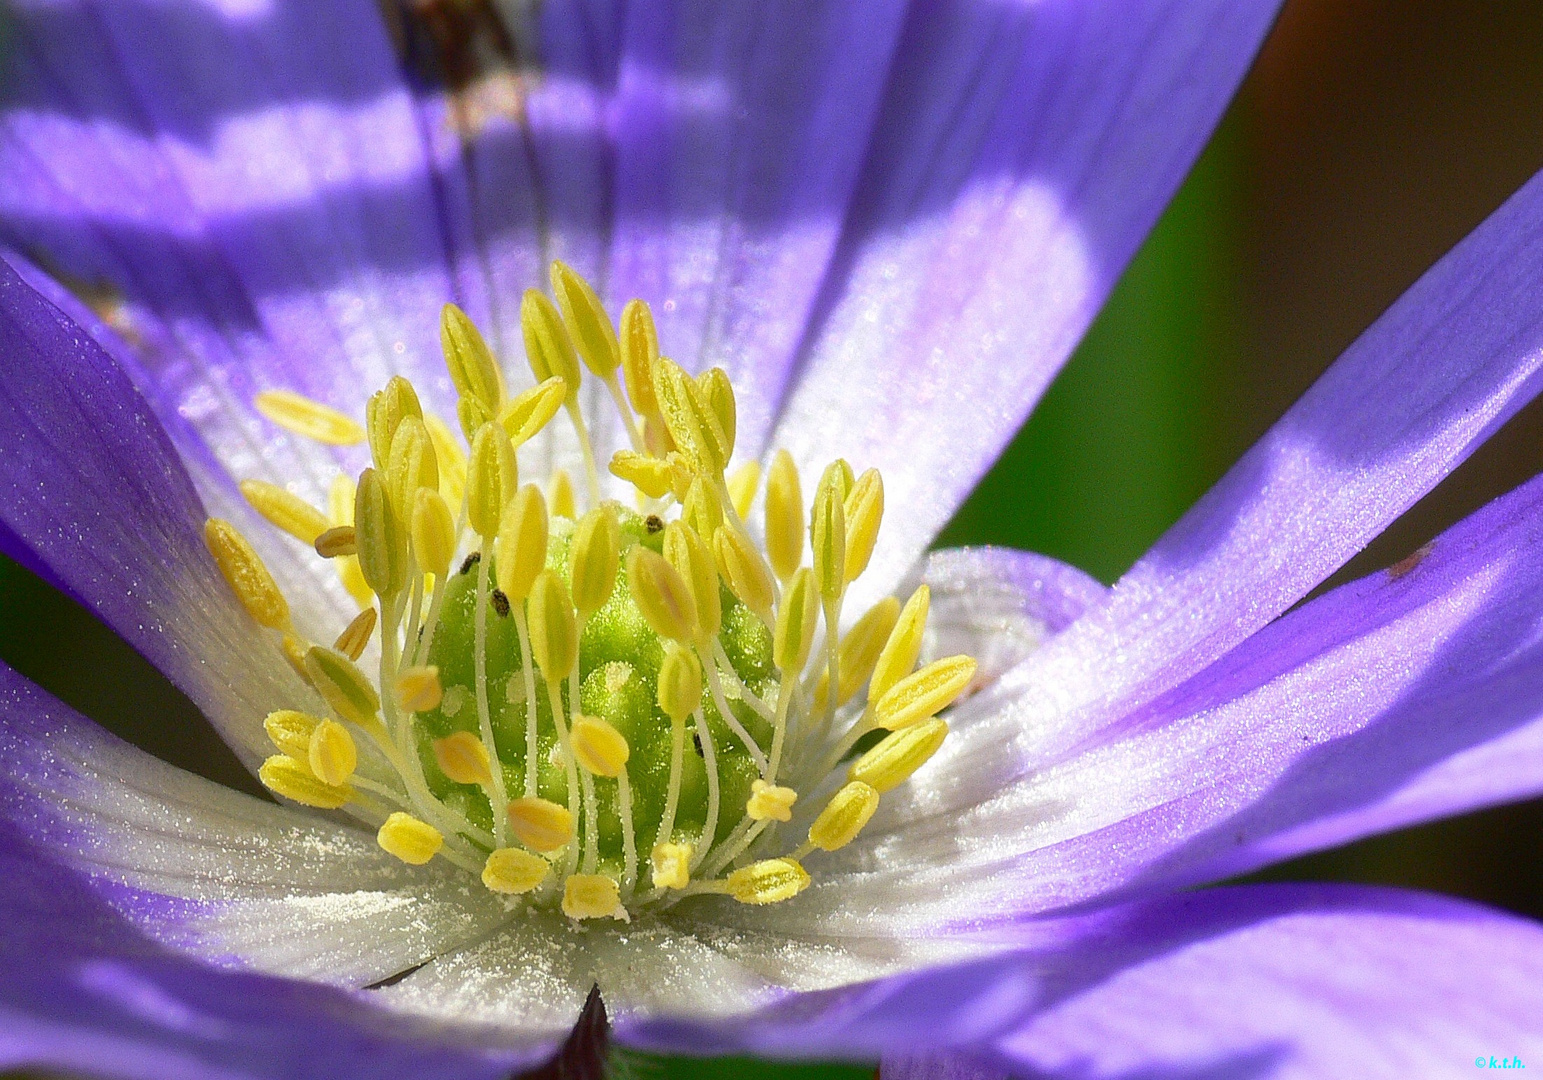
(619, 658)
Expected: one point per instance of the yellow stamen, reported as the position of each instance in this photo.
(596, 551)
(560, 494)
(743, 482)
(381, 535)
(462, 757)
(828, 536)
(418, 689)
(283, 775)
(356, 635)
(285, 509)
(513, 871)
(904, 644)
(412, 466)
(492, 477)
(332, 754)
(797, 617)
(649, 475)
(690, 419)
(548, 346)
(592, 896)
(860, 649)
(844, 816)
(540, 824)
(863, 509)
(554, 640)
(384, 413)
(342, 685)
(672, 865)
(295, 648)
(532, 410)
(924, 694)
(639, 351)
(662, 595)
(769, 802)
(784, 516)
(769, 881)
(701, 510)
(340, 511)
(300, 414)
(686, 551)
(472, 367)
(680, 682)
(414, 842)
(599, 747)
(522, 542)
(588, 324)
(433, 533)
(291, 731)
(452, 459)
(898, 755)
(246, 575)
(745, 572)
(718, 392)
(336, 542)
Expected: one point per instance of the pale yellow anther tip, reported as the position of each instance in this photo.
(291, 778)
(514, 871)
(899, 754)
(769, 881)
(297, 413)
(463, 758)
(414, 842)
(844, 816)
(599, 747)
(331, 753)
(593, 896)
(672, 865)
(770, 802)
(540, 824)
(418, 688)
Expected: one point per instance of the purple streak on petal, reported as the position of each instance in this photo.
(740, 133)
(1455, 358)
(1022, 152)
(81, 989)
(1229, 980)
(90, 483)
(954, 1066)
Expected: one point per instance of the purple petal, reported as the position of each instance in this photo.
(1431, 380)
(1298, 978)
(955, 1066)
(92, 486)
(1021, 153)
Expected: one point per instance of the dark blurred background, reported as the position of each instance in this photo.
(1371, 136)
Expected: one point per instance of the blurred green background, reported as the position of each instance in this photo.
(1369, 138)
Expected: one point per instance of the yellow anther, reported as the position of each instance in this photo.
(554, 640)
(596, 551)
(472, 417)
(520, 549)
(342, 685)
(770, 802)
(899, 754)
(860, 649)
(639, 350)
(844, 816)
(471, 364)
(691, 557)
(284, 775)
(381, 536)
(452, 459)
(418, 688)
(592, 896)
(682, 473)
(560, 495)
(285, 509)
(743, 482)
(414, 842)
(690, 419)
(299, 414)
(340, 511)
(433, 533)
(864, 509)
(532, 410)
(797, 617)
(784, 516)
(412, 465)
(925, 693)
(356, 635)
(290, 731)
(246, 575)
(662, 595)
(514, 871)
(744, 570)
(904, 644)
(650, 475)
(332, 754)
(548, 346)
(718, 392)
(540, 824)
(295, 648)
(701, 510)
(337, 542)
(828, 534)
(384, 413)
(463, 758)
(492, 475)
(680, 682)
(672, 865)
(769, 881)
(599, 747)
(843, 476)
(588, 324)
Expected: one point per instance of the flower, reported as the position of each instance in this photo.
(889, 225)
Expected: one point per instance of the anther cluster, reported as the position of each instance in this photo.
(605, 711)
